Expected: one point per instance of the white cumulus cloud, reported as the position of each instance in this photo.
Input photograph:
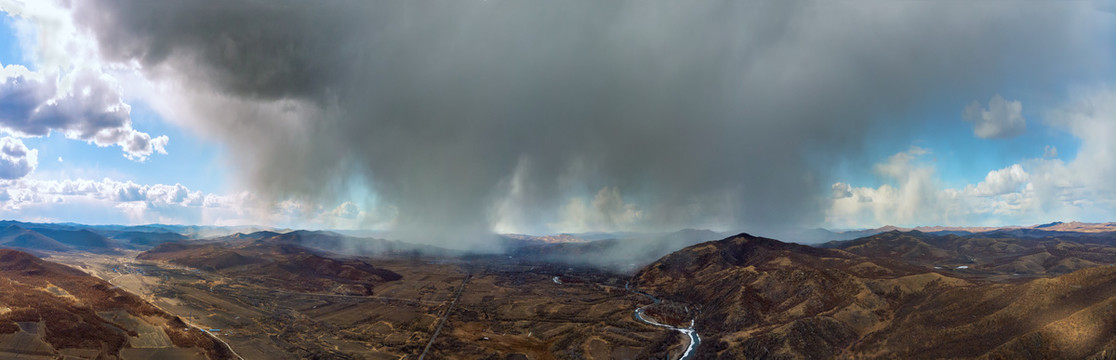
(83, 105)
(1003, 181)
(1000, 120)
(128, 202)
(16, 160)
(1030, 191)
(914, 195)
(841, 190)
(72, 92)
(346, 210)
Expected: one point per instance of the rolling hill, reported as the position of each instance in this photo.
(148, 238)
(45, 239)
(17, 237)
(1043, 291)
(761, 298)
(278, 265)
(51, 310)
(990, 252)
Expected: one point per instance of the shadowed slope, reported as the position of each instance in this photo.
(277, 264)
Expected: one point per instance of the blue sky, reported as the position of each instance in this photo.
(960, 157)
(637, 121)
(190, 160)
(79, 159)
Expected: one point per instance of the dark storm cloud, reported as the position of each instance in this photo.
(693, 110)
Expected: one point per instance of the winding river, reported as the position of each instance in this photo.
(695, 340)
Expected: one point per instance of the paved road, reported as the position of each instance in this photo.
(368, 297)
(444, 317)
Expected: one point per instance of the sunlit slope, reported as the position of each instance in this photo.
(52, 310)
(992, 252)
(762, 298)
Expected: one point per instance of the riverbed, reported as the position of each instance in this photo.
(695, 340)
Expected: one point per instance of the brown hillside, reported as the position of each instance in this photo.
(988, 253)
(278, 265)
(761, 298)
(55, 308)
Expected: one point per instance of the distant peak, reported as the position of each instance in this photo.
(742, 235)
(12, 256)
(750, 240)
(1053, 224)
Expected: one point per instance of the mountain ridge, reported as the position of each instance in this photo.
(762, 298)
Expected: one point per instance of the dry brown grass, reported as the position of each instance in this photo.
(66, 302)
(756, 303)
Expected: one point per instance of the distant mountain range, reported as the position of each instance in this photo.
(53, 239)
(191, 231)
(1018, 251)
(820, 235)
(37, 237)
(153, 234)
(623, 251)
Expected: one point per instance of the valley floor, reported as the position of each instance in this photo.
(506, 308)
